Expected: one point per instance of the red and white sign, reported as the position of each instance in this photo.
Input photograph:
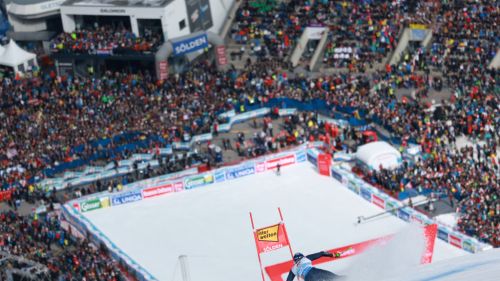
(163, 70)
(324, 163)
(378, 201)
(456, 241)
(260, 167)
(220, 52)
(284, 161)
(162, 189)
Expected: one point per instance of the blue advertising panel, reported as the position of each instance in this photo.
(366, 194)
(300, 156)
(311, 157)
(126, 198)
(442, 234)
(467, 245)
(336, 175)
(240, 172)
(190, 45)
(403, 215)
(220, 176)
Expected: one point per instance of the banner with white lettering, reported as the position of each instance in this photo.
(190, 44)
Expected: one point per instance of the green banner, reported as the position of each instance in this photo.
(90, 205)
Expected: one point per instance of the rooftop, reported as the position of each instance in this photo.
(118, 3)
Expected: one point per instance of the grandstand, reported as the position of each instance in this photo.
(127, 96)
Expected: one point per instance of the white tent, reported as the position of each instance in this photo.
(375, 154)
(2, 49)
(17, 58)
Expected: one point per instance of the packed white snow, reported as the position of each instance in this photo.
(481, 267)
(211, 226)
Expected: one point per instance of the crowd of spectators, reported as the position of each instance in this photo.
(44, 240)
(50, 120)
(361, 33)
(106, 40)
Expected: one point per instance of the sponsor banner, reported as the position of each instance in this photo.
(105, 203)
(455, 241)
(300, 156)
(239, 172)
(161, 189)
(336, 175)
(270, 238)
(199, 15)
(442, 234)
(191, 44)
(287, 111)
(391, 206)
(468, 246)
(283, 161)
(378, 201)
(219, 175)
(352, 186)
(260, 167)
(324, 162)
(90, 205)
(366, 194)
(125, 198)
(163, 69)
(311, 157)
(197, 181)
(126, 162)
(402, 214)
(220, 52)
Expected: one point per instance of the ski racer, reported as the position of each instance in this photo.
(303, 269)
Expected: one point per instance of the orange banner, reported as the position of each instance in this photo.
(270, 238)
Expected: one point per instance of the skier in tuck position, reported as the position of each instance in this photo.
(303, 269)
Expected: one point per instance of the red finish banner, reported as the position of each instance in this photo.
(324, 162)
(277, 270)
(162, 189)
(270, 238)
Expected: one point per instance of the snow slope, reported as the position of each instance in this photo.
(484, 266)
(211, 225)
